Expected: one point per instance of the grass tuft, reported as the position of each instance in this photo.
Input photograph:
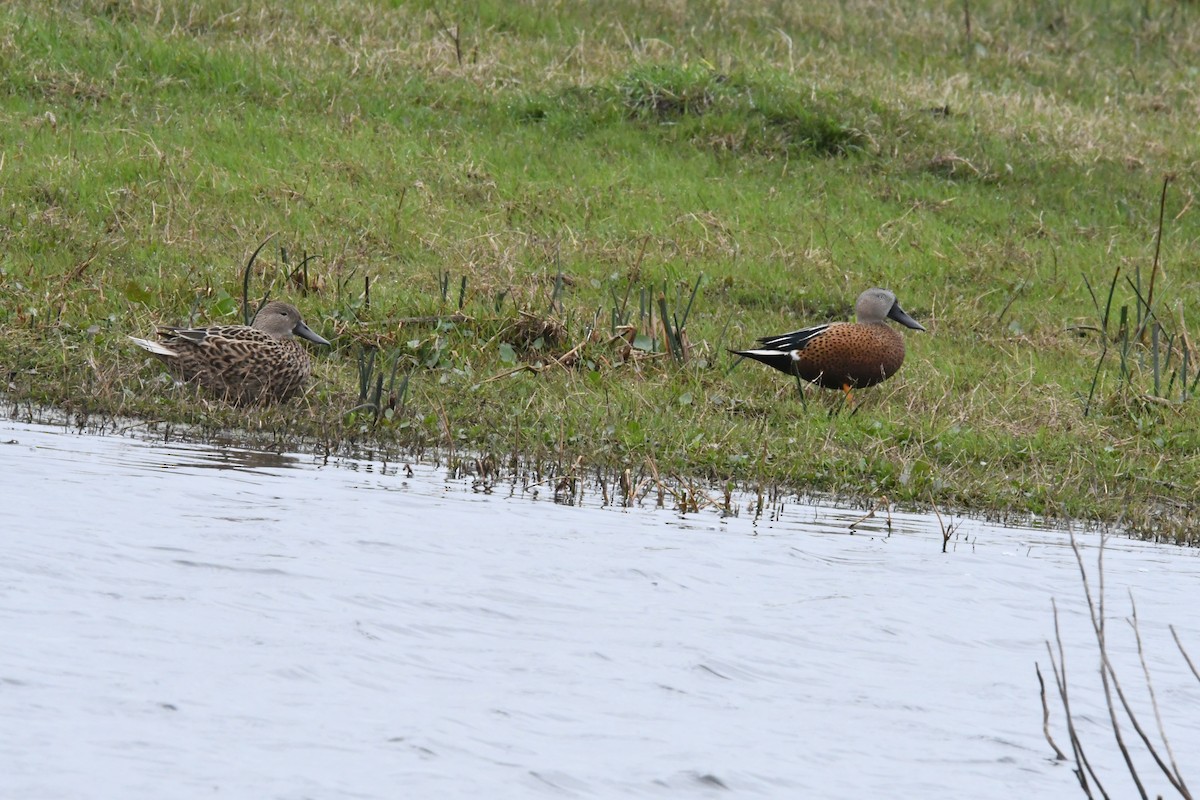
(740, 113)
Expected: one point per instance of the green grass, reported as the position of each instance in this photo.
(573, 162)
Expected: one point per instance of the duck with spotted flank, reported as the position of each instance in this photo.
(842, 355)
(243, 364)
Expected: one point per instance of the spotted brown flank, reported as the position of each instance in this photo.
(244, 365)
(842, 355)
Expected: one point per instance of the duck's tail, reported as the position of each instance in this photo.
(154, 347)
(782, 360)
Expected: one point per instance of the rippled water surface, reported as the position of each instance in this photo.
(187, 621)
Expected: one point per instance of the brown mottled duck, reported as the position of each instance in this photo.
(245, 365)
(842, 355)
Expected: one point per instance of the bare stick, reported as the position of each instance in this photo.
(458, 317)
(1058, 754)
(445, 420)
(453, 35)
(1172, 773)
(881, 503)
(1083, 768)
(523, 368)
(1108, 677)
(1186, 657)
(246, 281)
(1162, 210)
(947, 532)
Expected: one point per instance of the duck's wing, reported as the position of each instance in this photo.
(190, 335)
(796, 340)
(219, 336)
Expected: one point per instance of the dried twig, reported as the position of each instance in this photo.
(881, 503)
(1058, 754)
(1172, 773)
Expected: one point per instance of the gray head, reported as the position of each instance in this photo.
(878, 305)
(282, 321)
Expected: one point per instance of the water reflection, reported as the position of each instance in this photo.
(231, 458)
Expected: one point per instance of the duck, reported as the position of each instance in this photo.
(842, 355)
(252, 364)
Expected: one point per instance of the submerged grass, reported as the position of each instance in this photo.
(491, 209)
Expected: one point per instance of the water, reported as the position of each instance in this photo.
(186, 621)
